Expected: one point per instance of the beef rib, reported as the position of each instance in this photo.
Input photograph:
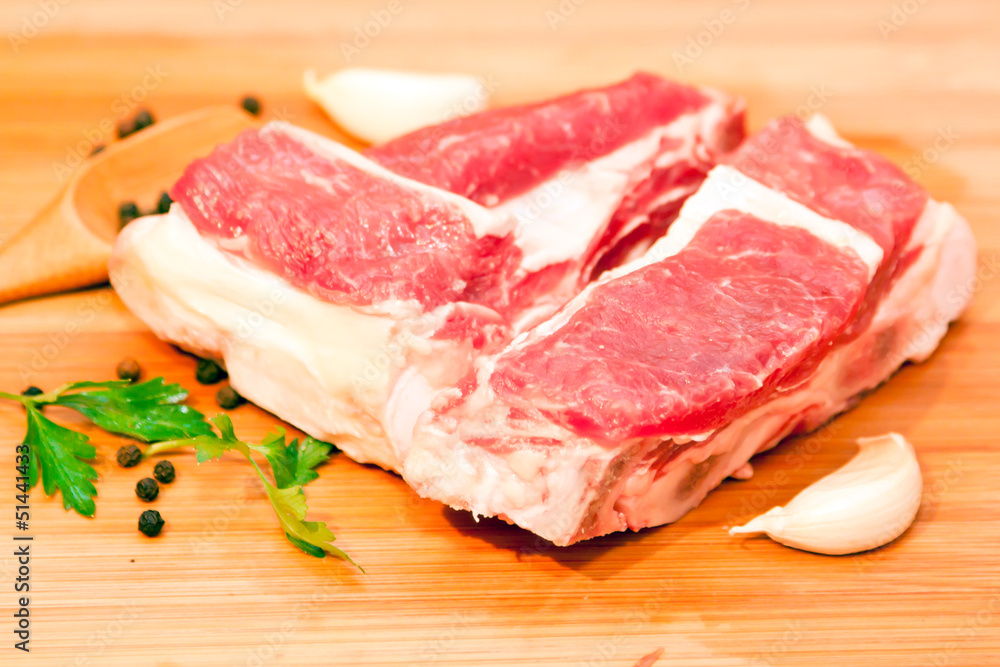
(318, 275)
(736, 329)
(403, 303)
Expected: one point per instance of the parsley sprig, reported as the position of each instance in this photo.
(153, 412)
(149, 411)
(292, 466)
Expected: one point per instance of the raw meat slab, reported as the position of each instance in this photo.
(734, 331)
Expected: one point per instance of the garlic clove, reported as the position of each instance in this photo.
(377, 105)
(869, 501)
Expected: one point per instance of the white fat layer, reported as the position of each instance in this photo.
(484, 222)
(729, 189)
(320, 366)
(560, 218)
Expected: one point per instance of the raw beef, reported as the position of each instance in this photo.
(319, 276)
(858, 187)
(359, 299)
(688, 343)
(336, 225)
(594, 176)
(734, 331)
(495, 156)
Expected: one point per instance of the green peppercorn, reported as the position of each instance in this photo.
(142, 120)
(209, 372)
(228, 398)
(129, 456)
(251, 104)
(163, 204)
(147, 489)
(150, 523)
(32, 391)
(128, 369)
(164, 472)
(127, 212)
(125, 128)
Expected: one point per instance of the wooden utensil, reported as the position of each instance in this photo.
(67, 245)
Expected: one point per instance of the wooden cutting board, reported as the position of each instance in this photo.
(919, 81)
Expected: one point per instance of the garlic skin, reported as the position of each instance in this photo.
(377, 105)
(869, 501)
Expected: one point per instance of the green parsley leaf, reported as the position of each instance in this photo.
(313, 537)
(148, 411)
(57, 454)
(225, 426)
(293, 464)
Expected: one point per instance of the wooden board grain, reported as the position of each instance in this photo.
(917, 80)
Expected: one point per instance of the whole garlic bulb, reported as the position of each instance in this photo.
(869, 501)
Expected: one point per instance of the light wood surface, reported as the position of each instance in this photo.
(221, 586)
